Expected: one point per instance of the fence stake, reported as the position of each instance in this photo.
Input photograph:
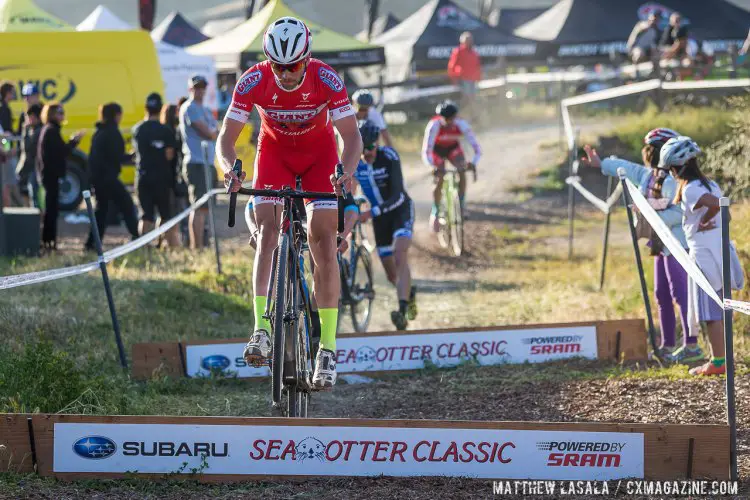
(639, 264)
(571, 202)
(105, 277)
(211, 221)
(728, 338)
(605, 245)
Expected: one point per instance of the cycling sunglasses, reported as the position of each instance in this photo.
(292, 68)
(369, 147)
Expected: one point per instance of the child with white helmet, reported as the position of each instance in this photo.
(699, 198)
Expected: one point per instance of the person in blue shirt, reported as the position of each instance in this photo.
(392, 212)
(670, 279)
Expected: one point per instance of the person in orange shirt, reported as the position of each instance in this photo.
(465, 69)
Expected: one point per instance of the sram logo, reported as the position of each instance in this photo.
(559, 344)
(582, 454)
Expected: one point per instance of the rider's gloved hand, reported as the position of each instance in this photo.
(231, 179)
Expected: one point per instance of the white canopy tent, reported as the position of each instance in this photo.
(176, 65)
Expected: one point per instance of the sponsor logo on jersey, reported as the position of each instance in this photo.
(305, 95)
(297, 116)
(275, 96)
(330, 78)
(248, 82)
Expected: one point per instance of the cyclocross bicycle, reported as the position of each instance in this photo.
(288, 303)
(450, 216)
(357, 291)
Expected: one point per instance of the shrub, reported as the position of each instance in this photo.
(728, 161)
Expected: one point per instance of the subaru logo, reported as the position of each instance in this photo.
(215, 362)
(95, 447)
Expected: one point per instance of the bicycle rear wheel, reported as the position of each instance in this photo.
(362, 291)
(280, 308)
(457, 225)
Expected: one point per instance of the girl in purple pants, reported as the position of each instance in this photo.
(670, 279)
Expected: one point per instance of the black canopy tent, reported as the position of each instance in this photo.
(424, 40)
(591, 29)
(176, 30)
(510, 19)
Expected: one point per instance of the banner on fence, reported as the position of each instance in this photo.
(241, 448)
(389, 351)
(280, 450)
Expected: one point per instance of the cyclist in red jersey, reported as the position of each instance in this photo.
(299, 99)
(441, 142)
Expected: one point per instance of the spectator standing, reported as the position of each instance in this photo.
(10, 194)
(105, 163)
(51, 157)
(465, 70)
(644, 39)
(154, 146)
(30, 94)
(26, 170)
(197, 124)
(699, 197)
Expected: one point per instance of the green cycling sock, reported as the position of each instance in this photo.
(718, 362)
(328, 322)
(259, 309)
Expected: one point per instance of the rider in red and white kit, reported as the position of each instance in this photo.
(442, 141)
(299, 100)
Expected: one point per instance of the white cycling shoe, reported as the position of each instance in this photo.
(258, 350)
(325, 369)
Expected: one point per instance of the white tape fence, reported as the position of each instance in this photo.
(65, 272)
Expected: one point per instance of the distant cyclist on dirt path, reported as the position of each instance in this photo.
(299, 99)
(392, 212)
(442, 141)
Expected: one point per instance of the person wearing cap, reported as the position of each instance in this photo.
(154, 147)
(30, 94)
(197, 124)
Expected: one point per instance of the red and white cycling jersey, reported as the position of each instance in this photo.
(297, 118)
(296, 135)
(442, 138)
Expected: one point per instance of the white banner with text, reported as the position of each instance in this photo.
(415, 352)
(279, 450)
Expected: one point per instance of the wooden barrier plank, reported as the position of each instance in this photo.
(665, 446)
(632, 343)
(163, 357)
(15, 444)
(168, 357)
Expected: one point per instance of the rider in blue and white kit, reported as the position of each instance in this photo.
(392, 212)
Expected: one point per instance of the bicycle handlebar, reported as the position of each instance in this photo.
(281, 193)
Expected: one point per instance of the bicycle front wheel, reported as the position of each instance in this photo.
(280, 305)
(362, 290)
(456, 226)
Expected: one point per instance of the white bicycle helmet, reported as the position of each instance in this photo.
(287, 41)
(677, 152)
